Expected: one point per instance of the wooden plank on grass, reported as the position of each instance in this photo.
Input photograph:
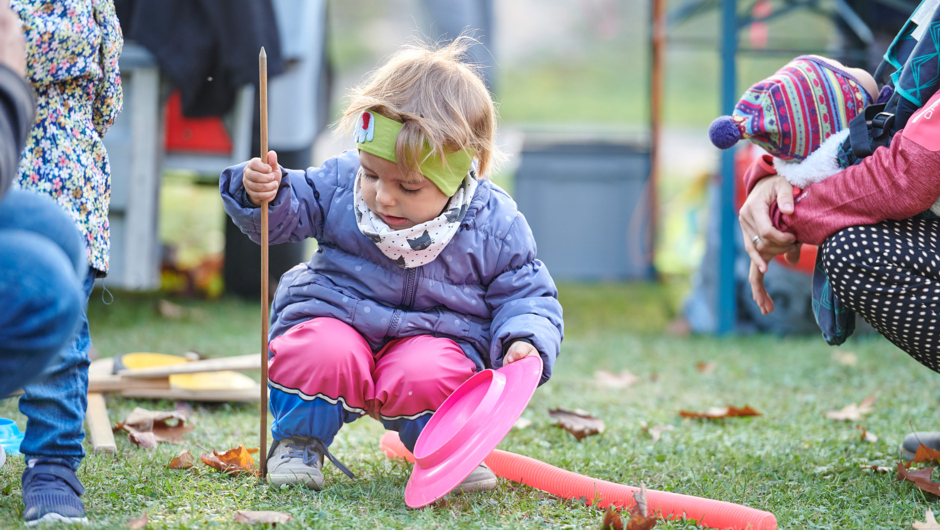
(242, 362)
(99, 424)
(241, 394)
(116, 383)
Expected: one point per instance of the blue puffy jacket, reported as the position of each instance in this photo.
(485, 290)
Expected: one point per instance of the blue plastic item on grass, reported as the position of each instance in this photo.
(10, 436)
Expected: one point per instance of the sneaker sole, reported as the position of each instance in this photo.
(292, 479)
(56, 518)
(478, 487)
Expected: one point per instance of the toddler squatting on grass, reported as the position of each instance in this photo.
(425, 271)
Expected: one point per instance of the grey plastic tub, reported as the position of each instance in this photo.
(587, 203)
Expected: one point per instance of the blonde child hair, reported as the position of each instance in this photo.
(440, 99)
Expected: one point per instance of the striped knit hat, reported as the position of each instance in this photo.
(793, 111)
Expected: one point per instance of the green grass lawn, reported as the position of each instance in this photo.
(791, 461)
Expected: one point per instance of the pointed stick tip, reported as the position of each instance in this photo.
(262, 54)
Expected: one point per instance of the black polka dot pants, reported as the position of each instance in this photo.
(889, 274)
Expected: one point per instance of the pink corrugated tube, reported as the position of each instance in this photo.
(550, 479)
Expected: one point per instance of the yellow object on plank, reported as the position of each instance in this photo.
(212, 381)
(216, 380)
(140, 360)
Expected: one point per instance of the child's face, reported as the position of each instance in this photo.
(400, 201)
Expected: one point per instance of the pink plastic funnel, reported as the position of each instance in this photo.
(468, 426)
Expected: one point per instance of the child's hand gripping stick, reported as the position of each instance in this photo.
(261, 180)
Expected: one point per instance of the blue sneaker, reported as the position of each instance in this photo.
(51, 492)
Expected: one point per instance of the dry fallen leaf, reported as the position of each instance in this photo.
(252, 517)
(577, 422)
(867, 436)
(233, 461)
(638, 522)
(920, 478)
(185, 460)
(705, 368)
(846, 358)
(657, 432)
(715, 413)
(639, 516)
(172, 311)
(853, 412)
(137, 523)
(166, 426)
(929, 524)
(612, 520)
(925, 454)
(609, 380)
(144, 440)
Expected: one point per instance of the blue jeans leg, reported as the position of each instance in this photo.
(40, 292)
(55, 403)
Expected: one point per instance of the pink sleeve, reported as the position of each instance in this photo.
(760, 168)
(895, 182)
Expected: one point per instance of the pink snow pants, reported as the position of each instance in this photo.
(323, 374)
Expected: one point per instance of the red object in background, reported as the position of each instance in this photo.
(193, 135)
(758, 30)
(743, 158)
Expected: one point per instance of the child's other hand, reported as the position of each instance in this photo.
(262, 180)
(518, 350)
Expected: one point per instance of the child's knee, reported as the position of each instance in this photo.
(31, 212)
(424, 358)
(44, 299)
(320, 346)
(418, 374)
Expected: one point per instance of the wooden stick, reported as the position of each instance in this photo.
(263, 88)
(99, 424)
(657, 86)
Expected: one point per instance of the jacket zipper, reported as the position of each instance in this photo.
(407, 300)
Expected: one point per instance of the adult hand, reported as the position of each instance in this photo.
(761, 240)
(262, 180)
(12, 44)
(518, 350)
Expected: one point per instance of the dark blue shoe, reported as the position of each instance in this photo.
(51, 492)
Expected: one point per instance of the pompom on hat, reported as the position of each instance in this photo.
(791, 113)
(723, 132)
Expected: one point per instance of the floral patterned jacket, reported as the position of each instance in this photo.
(72, 49)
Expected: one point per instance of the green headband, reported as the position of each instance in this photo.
(378, 135)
